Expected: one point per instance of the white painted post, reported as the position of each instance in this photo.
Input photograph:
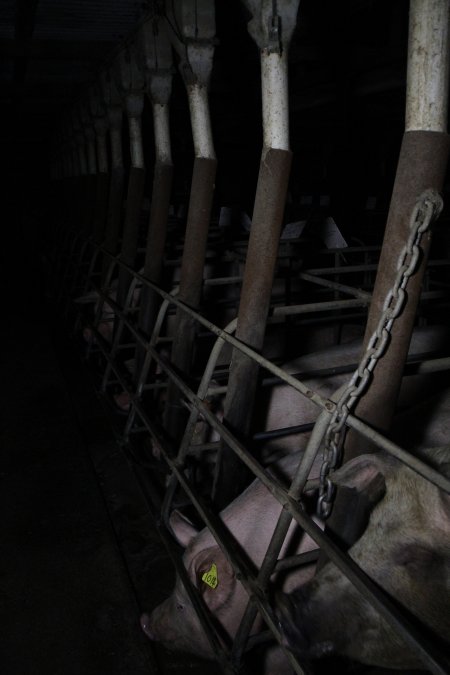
(428, 66)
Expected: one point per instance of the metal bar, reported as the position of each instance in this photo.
(116, 183)
(349, 269)
(280, 531)
(219, 332)
(345, 563)
(370, 590)
(101, 204)
(252, 316)
(422, 164)
(156, 239)
(191, 280)
(334, 285)
(135, 195)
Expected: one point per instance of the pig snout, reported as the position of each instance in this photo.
(146, 626)
(156, 626)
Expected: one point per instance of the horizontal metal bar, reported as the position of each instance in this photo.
(357, 292)
(349, 269)
(323, 306)
(358, 578)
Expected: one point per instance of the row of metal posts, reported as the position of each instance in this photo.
(422, 165)
(123, 87)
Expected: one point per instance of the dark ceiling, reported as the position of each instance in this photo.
(347, 83)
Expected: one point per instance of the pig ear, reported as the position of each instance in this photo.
(213, 576)
(361, 471)
(182, 528)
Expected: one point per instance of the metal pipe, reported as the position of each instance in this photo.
(275, 102)
(191, 281)
(114, 113)
(91, 158)
(252, 316)
(136, 144)
(161, 132)
(130, 84)
(156, 56)
(156, 239)
(224, 335)
(422, 166)
(193, 40)
(428, 66)
(200, 121)
(98, 113)
(268, 564)
(271, 27)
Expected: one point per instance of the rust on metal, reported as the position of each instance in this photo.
(101, 205)
(191, 280)
(135, 195)
(257, 284)
(422, 164)
(154, 255)
(114, 215)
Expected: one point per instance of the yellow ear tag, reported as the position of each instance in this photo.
(210, 577)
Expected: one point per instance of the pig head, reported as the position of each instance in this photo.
(405, 549)
(251, 519)
(174, 622)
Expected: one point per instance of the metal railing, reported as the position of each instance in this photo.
(229, 657)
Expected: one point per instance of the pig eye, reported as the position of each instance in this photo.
(180, 607)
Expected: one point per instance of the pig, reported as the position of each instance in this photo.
(250, 519)
(282, 406)
(405, 549)
(434, 429)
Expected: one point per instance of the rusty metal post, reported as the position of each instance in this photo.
(91, 158)
(193, 260)
(272, 33)
(156, 57)
(130, 83)
(422, 165)
(98, 114)
(114, 113)
(80, 209)
(70, 173)
(194, 44)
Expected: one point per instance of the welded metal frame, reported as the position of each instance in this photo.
(255, 585)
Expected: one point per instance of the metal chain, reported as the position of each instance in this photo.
(427, 209)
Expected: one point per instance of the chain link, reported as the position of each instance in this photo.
(427, 209)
